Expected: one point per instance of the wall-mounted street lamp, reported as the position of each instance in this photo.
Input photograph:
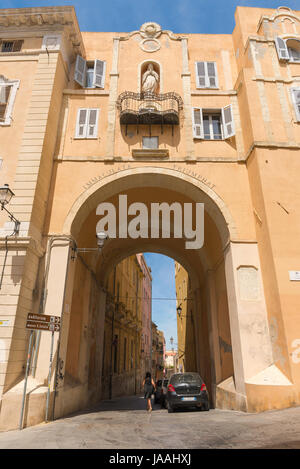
(179, 310)
(6, 195)
(101, 238)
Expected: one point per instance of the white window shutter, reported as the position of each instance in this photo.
(212, 79)
(200, 74)
(296, 101)
(99, 73)
(228, 122)
(81, 124)
(92, 123)
(80, 71)
(281, 47)
(197, 122)
(3, 97)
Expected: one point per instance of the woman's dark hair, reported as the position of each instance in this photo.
(148, 374)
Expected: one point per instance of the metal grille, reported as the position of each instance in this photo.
(149, 108)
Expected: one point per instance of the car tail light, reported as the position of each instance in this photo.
(171, 388)
(203, 387)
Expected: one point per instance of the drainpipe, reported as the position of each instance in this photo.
(112, 338)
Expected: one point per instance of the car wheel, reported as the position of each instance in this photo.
(205, 407)
(170, 408)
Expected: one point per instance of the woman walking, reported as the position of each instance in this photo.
(149, 388)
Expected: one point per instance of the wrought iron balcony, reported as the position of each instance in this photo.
(149, 108)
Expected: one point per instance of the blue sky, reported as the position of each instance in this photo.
(163, 286)
(179, 16)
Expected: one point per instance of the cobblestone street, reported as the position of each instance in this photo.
(123, 423)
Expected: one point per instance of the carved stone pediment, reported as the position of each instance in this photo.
(26, 22)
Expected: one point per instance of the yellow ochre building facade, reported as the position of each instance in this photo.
(160, 117)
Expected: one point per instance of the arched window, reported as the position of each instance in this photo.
(288, 49)
(293, 46)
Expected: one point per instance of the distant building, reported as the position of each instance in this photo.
(185, 321)
(122, 364)
(171, 362)
(146, 306)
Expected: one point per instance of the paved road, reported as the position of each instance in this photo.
(123, 423)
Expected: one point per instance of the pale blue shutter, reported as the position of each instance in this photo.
(80, 71)
(99, 73)
(200, 74)
(281, 48)
(197, 122)
(296, 101)
(228, 123)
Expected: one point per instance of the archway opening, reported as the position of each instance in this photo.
(96, 282)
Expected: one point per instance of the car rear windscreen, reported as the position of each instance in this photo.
(192, 378)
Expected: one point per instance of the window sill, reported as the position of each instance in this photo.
(88, 91)
(212, 91)
(85, 138)
(150, 153)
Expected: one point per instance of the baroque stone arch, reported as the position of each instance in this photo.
(154, 176)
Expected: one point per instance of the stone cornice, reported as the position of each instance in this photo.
(42, 19)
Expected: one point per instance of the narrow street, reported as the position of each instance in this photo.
(123, 423)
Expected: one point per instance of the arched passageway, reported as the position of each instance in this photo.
(228, 349)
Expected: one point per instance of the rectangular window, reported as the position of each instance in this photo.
(87, 123)
(150, 143)
(89, 74)
(11, 46)
(214, 124)
(206, 75)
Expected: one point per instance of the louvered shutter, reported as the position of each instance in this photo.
(80, 71)
(3, 93)
(99, 73)
(212, 80)
(296, 101)
(92, 126)
(200, 74)
(282, 50)
(197, 122)
(81, 124)
(228, 123)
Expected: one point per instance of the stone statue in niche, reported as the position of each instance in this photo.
(150, 80)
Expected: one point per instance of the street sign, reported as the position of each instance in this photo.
(43, 322)
(43, 318)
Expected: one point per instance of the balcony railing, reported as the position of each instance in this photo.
(149, 108)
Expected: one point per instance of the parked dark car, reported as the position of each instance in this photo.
(187, 390)
(157, 391)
